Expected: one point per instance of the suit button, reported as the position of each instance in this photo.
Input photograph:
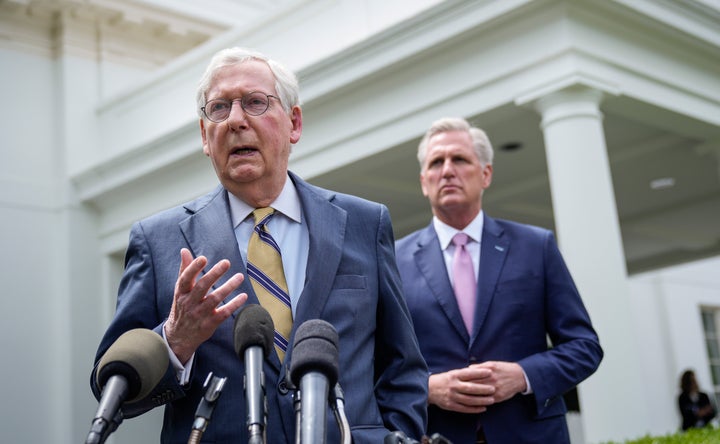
(283, 388)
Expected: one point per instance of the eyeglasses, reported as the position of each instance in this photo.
(254, 104)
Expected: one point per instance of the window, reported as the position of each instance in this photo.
(711, 321)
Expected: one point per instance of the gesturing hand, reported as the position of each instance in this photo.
(195, 313)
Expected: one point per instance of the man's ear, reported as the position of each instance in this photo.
(296, 121)
(206, 150)
(422, 185)
(487, 175)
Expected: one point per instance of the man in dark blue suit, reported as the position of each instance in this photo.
(493, 376)
(185, 274)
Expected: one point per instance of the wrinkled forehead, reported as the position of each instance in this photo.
(241, 78)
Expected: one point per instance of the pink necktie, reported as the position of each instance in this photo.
(464, 280)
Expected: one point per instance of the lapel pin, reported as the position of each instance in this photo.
(499, 248)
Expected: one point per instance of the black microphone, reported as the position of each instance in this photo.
(254, 331)
(128, 371)
(213, 386)
(314, 368)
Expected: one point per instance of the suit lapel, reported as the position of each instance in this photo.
(493, 252)
(209, 231)
(430, 262)
(326, 227)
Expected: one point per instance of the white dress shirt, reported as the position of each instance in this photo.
(473, 230)
(445, 235)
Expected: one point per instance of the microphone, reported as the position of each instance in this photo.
(314, 368)
(128, 371)
(213, 388)
(254, 331)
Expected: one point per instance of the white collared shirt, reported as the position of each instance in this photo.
(474, 230)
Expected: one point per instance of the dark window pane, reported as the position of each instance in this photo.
(713, 348)
(708, 318)
(715, 369)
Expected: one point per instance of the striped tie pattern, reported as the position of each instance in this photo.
(268, 279)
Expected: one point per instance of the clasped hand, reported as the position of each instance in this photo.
(472, 389)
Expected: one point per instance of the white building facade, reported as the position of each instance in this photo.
(614, 105)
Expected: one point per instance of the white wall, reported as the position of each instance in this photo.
(666, 308)
(34, 314)
(62, 260)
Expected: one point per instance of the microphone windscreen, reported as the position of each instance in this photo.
(253, 326)
(315, 349)
(141, 356)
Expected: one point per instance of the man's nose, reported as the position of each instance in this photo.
(448, 169)
(237, 114)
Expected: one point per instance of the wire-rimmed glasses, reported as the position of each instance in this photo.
(254, 104)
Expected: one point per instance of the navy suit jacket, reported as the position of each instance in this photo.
(525, 296)
(351, 282)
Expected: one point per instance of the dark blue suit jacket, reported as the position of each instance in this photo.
(351, 282)
(525, 296)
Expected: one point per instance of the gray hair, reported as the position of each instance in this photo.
(481, 143)
(286, 83)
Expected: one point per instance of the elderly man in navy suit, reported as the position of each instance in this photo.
(485, 296)
(185, 274)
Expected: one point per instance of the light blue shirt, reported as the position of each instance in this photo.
(289, 231)
(286, 227)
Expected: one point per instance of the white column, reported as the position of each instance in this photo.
(612, 400)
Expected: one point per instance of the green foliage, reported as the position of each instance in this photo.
(705, 435)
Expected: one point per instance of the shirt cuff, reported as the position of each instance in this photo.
(528, 390)
(182, 372)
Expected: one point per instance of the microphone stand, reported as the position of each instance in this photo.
(339, 409)
(213, 388)
(100, 429)
(297, 405)
(314, 422)
(99, 432)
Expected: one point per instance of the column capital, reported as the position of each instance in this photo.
(579, 90)
(569, 99)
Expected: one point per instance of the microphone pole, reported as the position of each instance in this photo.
(108, 416)
(254, 332)
(340, 418)
(255, 398)
(314, 368)
(313, 407)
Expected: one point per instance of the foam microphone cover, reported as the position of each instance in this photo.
(140, 356)
(253, 327)
(315, 349)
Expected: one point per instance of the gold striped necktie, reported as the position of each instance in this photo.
(268, 279)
